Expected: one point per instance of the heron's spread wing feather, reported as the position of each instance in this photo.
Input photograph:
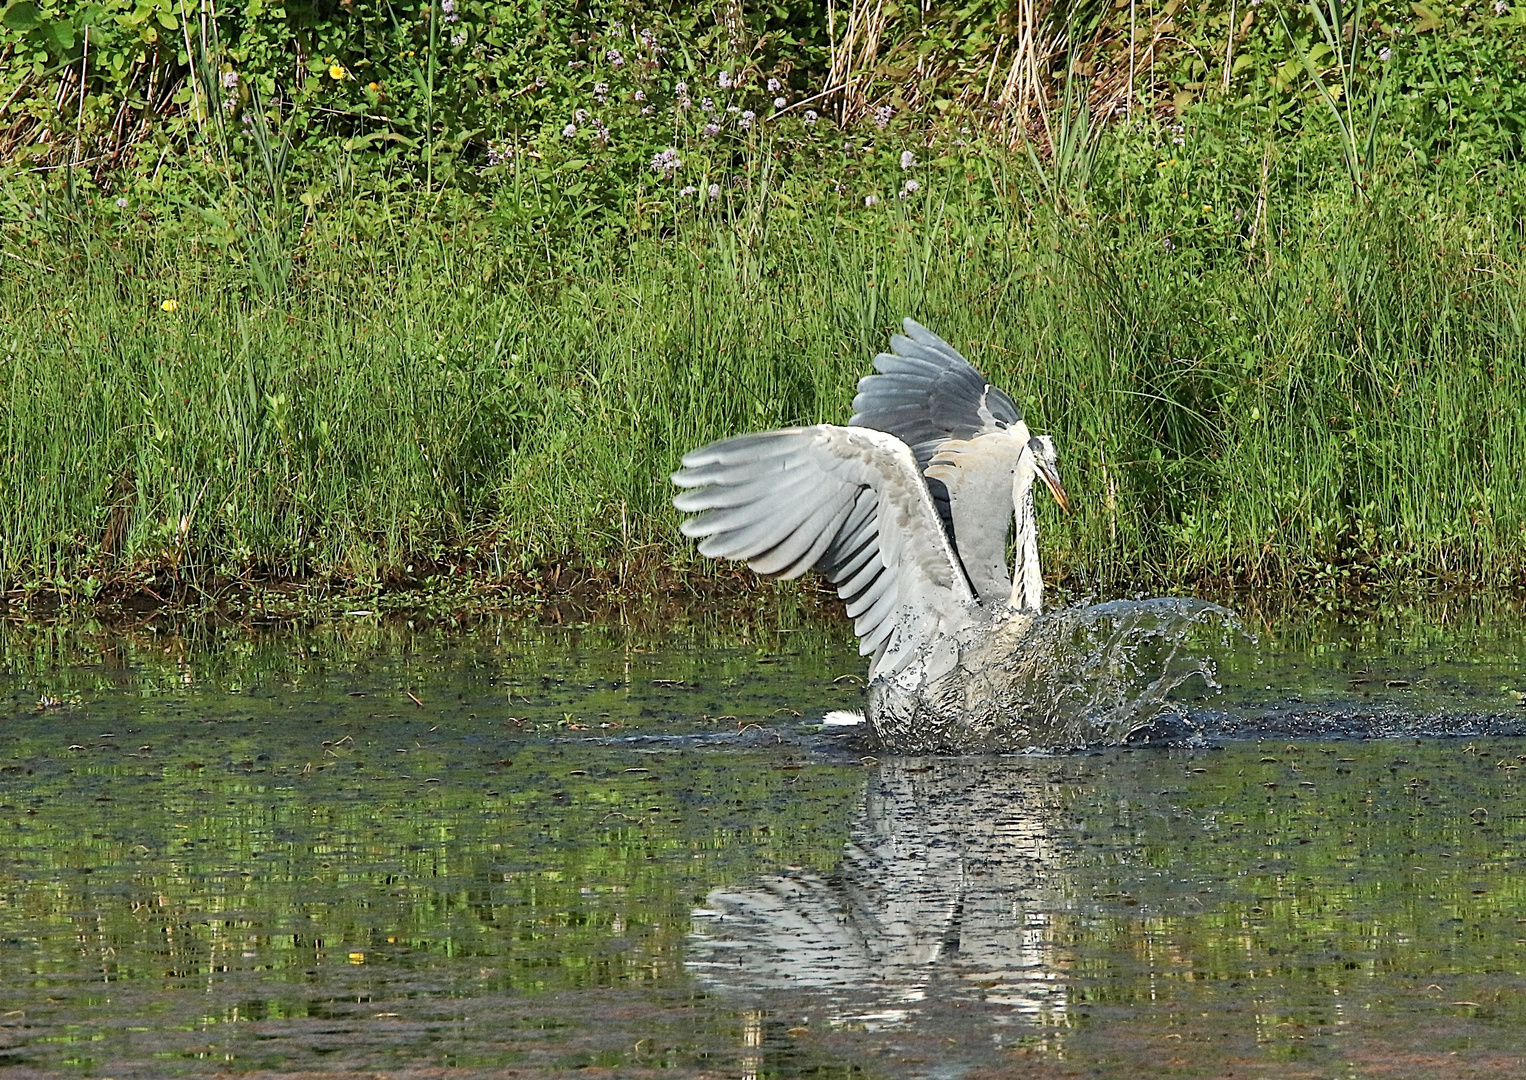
(810, 538)
(948, 397)
(850, 502)
(929, 340)
(746, 492)
(735, 517)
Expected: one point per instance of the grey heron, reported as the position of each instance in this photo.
(853, 503)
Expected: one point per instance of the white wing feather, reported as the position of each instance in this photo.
(848, 501)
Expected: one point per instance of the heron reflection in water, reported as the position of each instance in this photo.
(948, 889)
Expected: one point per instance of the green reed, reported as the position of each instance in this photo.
(1250, 376)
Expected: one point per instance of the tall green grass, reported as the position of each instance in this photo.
(1319, 390)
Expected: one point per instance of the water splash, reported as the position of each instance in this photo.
(1079, 676)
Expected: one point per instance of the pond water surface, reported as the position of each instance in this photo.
(513, 849)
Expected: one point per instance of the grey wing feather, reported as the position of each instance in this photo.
(926, 393)
(850, 502)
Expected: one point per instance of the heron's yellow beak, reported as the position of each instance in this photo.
(1051, 478)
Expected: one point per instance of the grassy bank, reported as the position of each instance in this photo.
(1252, 376)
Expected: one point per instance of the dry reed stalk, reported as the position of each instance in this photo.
(991, 72)
(1229, 46)
(1133, 38)
(854, 57)
(65, 143)
(1026, 93)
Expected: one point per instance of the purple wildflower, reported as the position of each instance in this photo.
(666, 163)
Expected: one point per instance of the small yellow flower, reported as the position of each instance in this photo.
(1207, 209)
(338, 73)
(168, 305)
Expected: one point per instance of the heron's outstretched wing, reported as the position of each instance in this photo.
(850, 502)
(935, 401)
(926, 393)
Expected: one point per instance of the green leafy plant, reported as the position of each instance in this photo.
(1356, 114)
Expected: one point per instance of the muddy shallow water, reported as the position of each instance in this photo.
(509, 849)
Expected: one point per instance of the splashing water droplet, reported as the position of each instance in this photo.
(1079, 676)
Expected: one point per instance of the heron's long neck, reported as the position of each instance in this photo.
(1027, 574)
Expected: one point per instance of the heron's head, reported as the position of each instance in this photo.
(1046, 461)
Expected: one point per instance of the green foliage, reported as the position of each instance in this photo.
(568, 106)
(1341, 34)
(459, 281)
(557, 100)
(1251, 377)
